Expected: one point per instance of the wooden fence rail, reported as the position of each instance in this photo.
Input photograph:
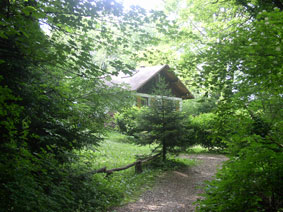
(137, 164)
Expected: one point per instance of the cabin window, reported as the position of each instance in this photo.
(144, 101)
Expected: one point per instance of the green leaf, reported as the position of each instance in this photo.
(28, 10)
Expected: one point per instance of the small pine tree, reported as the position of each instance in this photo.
(162, 123)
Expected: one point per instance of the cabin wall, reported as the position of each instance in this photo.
(146, 100)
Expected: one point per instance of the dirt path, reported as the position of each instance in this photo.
(177, 190)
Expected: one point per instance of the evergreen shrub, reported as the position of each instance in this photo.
(162, 124)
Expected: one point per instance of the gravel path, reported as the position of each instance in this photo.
(177, 190)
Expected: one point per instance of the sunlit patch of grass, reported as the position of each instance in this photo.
(112, 154)
(197, 149)
(119, 137)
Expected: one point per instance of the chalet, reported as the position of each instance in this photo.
(144, 79)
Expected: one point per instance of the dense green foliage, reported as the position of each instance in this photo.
(198, 129)
(249, 182)
(201, 122)
(234, 49)
(127, 120)
(55, 57)
(202, 131)
(199, 105)
(240, 57)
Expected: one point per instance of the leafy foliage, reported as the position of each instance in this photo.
(199, 105)
(249, 182)
(236, 52)
(203, 127)
(127, 120)
(255, 7)
(243, 65)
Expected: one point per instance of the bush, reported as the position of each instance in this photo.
(200, 105)
(40, 183)
(252, 179)
(127, 120)
(202, 127)
(250, 182)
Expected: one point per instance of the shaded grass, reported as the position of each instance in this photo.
(172, 163)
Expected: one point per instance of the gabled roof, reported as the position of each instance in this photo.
(141, 76)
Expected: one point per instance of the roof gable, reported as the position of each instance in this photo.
(143, 75)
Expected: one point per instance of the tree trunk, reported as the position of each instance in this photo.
(164, 151)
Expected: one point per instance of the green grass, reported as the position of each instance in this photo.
(197, 149)
(123, 186)
(120, 138)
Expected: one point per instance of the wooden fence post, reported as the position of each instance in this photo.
(138, 167)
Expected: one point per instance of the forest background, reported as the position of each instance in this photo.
(55, 57)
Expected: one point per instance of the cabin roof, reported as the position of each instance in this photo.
(138, 78)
